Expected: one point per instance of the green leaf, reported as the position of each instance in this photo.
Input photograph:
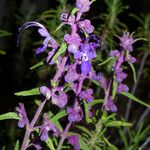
(84, 129)
(107, 60)
(83, 145)
(132, 97)
(2, 52)
(37, 65)
(95, 82)
(31, 92)
(9, 115)
(60, 51)
(114, 90)
(59, 116)
(86, 107)
(17, 145)
(133, 70)
(4, 33)
(74, 11)
(117, 124)
(50, 144)
(97, 101)
(59, 27)
(111, 146)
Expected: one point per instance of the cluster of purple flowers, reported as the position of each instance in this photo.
(122, 56)
(81, 45)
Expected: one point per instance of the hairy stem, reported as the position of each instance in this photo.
(128, 109)
(29, 128)
(69, 124)
(60, 69)
(63, 136)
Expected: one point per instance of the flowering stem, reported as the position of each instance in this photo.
(69, 124)
(29, 128)
(60, 69)
(63, 136)
(136, 84)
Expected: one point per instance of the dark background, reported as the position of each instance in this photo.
(14, 66)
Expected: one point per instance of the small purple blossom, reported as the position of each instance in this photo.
(120, 75)
(109, 105)
(126, 41)
(74, 140)
(59, 98)
(64, 17)
(102, 80)
(74, 114)
(23, 116)
(86, 53)
(72, 74)
(86, 26)
(46, 127)
(130, 59)
(45, 91)
(122, 88)
(114, 53)
(87, 95)
(83, 5)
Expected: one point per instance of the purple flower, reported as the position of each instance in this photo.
(114, 53)
(122, 88)
(120, 75)
(83, 5)
(127, 41)
(86, 26)
(102, 80)
(45, 91)
(23, 116)
(130, 59)
(109, 105)
(71, 74)
(46, 127)
(87, 53)
(59, 98)
(64, 17)
(73, 39)
(74, 140)
(48, 42)
(74, 114)
(87, 95)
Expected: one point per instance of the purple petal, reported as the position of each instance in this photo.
(43, 32)
(41, 49)
(85, 67)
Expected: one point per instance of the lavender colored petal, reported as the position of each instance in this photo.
(41, 49)
(85, 67)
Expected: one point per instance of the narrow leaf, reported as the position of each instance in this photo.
(37, 65)
(17, 145)
(60, 51)
(84, 130)
(74, 11)
(111, 146)
(83, 145)
(114, 90)
(133, 70)
(107, 60)
(117, 124)
(4, 33)
(59, 115)
(132, 97)
(97, 101)
(9, 115)
(31, 92)
(86, 106)
(2, 52)
(50, 144)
